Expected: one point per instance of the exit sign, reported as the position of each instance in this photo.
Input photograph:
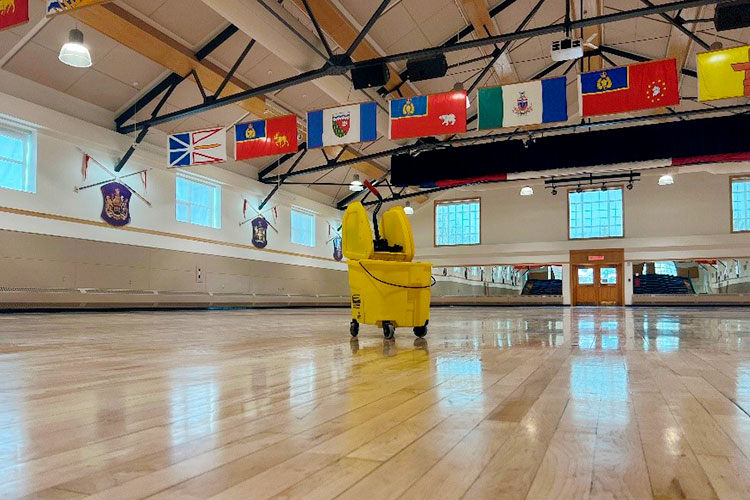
(596, 257)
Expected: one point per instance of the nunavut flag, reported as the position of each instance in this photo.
(723, 74)
(645, 85)
(265, 137)
(13, 13)
(428, 115)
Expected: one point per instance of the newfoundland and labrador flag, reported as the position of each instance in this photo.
(13, 13)
(428, 115)
(274, 136)
(198, 147)
(342, 125)
(723, 74)
(529, 103)
(645, 85)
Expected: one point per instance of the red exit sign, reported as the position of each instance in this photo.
(596, 257)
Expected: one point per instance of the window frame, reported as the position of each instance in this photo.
(216, 208)
(29, 164)
(732, 179)
(311, 213)
(436, 203)
(567, 222)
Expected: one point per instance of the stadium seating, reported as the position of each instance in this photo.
(662, 284)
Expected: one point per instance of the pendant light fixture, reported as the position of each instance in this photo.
(407, 209)
(666, 180)
(356, 185)
(75, 53)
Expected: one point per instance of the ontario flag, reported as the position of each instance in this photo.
(428, 115)
(198, 147)
(265, 137)
(645, 85)
(13, 13)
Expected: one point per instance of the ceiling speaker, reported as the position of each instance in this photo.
(427, 68)
(366, 77)
(732, 15)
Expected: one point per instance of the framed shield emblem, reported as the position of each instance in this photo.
(260, 232)
(116, 204)
(338, 254)
(342, 122)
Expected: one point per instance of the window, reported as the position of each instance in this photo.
(303, 227)
(17, 159)
(608, 275)
(457, 222)
(667, 267)
(740, 205)
(585, 275)
(198, 202)
(595, 214)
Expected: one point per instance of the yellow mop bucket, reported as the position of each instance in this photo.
(387, 289)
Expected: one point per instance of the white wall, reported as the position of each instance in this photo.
(690, 219)
(59, 171)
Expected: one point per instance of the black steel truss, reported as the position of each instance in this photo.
(341, 65)
(529, 134)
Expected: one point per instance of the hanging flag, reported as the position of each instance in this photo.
(144, 179)
(116, 204)
(529, 103)
(244, 208)
(85, 167)
(60, 6)
(342, 125)
(428, 115)
(645, 85)
(13, 13)
(265, 137)
(260, 232)
(199, 147)
(723, 74)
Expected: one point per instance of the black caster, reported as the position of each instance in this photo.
(388, 330)
(354, 328)
(421, 331)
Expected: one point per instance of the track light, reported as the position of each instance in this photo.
(407, 209)
(554, 191)
(630, 186)
(74, 53)
(666, 180)
(527, 191)
(604, 187)
(578, 189)
(356, 185)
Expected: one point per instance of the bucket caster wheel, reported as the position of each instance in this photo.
(354, 328)
(420, 331)
(388, 330)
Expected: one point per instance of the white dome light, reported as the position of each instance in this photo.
(527, 191)
(74, 53)
(356, 185)
(666, 180)
(407, 209)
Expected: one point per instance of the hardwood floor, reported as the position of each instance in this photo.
(505, 403)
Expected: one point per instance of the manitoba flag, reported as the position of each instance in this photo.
(646, 85)
(265, 137)
(13, 13)
(428, 115)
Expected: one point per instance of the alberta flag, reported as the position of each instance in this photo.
(529, 103)
(198, 147)
(342, 125)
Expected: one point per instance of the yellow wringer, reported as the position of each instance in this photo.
(387, 288)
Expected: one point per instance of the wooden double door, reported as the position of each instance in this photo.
(597, 277)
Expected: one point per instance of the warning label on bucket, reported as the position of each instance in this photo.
(356, 302)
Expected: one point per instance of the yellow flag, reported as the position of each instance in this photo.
(723, 74)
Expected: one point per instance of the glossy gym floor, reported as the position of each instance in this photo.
(496, 403)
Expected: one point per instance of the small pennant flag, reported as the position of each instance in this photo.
(724, 74)
(85, 166)
(244, 208)
(428, 115)
(265, 137)
(13, 13)
(529, 103)
(198, 147)
(342, 125)
(645, 85)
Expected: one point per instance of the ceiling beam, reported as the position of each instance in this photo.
(340, 29)
(591, 8)
(484, 25)
(139, 36)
